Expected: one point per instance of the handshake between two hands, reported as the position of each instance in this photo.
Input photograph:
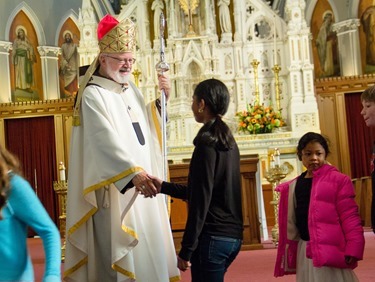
(147, 185)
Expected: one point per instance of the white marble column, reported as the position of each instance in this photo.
(50, 71)
(5, 89)
(303, 107)
(88, 45)
(349, 49)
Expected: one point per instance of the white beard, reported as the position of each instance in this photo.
(120, 78)
(117, 75)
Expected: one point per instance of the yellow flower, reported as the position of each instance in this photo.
(259, 119)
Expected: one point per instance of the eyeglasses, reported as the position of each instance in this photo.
(122, 61)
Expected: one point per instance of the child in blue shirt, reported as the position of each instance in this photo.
(20, 208)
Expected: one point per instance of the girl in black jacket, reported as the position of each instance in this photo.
(214, 227)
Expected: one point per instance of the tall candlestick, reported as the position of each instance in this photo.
(62, 171)
(274, 41)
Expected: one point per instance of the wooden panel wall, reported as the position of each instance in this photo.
(330, 94)
(332, 115)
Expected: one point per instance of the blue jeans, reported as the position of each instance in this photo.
(212, 258)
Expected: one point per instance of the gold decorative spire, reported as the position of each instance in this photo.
(255, 65)
(188, 6)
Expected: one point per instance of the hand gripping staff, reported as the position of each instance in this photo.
(162, 67)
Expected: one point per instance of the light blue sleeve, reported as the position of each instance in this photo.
(28, 209)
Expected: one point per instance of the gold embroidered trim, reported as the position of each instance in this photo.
(81, 221)
(111, 180)
(175, 278)
(69, 271)
(130, 231)
(156, 123)
(123, 271)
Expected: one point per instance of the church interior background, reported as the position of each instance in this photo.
(300, 57)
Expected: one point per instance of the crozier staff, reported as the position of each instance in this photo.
(162, 67)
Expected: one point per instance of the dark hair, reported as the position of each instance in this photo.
(368, 95)
(311, 137)
(7, 162)
(216, 98)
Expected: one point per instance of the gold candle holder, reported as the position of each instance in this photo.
(61, 188)
(274, 175)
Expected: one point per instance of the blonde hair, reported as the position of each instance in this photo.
(8, 162)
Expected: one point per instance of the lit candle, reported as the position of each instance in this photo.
(62, 171)
(277, 157)
(272, 163)
(274, 41)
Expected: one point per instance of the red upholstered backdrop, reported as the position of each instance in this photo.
(361, 138)
(32, 140)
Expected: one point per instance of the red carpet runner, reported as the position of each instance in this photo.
(254, 266)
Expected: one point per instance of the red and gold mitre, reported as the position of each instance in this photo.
(115, 36)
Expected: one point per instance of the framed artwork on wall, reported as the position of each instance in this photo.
(366, 14)
(324, 43)
(69, 59)
(25, 66)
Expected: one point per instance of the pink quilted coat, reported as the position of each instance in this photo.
(334, 223)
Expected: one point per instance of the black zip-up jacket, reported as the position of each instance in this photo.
(213, 194)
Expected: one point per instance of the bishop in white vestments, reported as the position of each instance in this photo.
(113, 233)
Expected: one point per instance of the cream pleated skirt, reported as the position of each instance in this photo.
(306, 272)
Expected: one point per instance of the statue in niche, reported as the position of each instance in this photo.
(23, 56)
(264, 61)
(368, 23)
(326, 44)
(224, 16)
(157, 6)
(228, 63)
(69, 64)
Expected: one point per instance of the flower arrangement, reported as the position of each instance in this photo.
(259, 119)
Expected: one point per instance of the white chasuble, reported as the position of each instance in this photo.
(106, 153)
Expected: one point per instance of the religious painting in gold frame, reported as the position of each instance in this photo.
(69, 62)
(366, 14)
(25, 64)
(324, 42)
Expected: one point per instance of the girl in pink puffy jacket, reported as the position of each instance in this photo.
(320, 232)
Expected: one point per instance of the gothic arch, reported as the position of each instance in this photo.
(70, 15)
(353, 10)
(33, 19)
(311, 7)
(187, 64)
(192, 54)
